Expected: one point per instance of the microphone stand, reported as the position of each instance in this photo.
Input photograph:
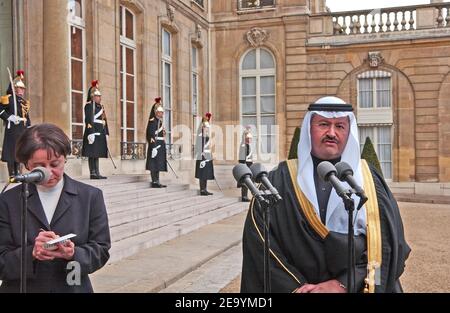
(269, 201)
(349, 204)
(23, 258)
(350, 207)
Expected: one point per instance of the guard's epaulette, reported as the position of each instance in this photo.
(152, 119)
(5, 99)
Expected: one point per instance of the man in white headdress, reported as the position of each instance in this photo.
(308, 231)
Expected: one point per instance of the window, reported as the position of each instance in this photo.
(257, 89)
(195, 82)
(78, 67)
(76, 13)
(255, 4)
(7, 44)
(375, 92)
(166, 70)
(195, 96)
(127, 75)
(382, 142)
(199, 2)
(375, 117)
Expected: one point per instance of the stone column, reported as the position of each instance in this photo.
(56, 79)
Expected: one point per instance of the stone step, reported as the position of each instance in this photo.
(154, 269)
(168, 217)
(143, 192)
(132, 245)
(155, 207)
(147, 198)
(113, 180)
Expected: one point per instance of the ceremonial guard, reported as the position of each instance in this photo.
(204, 169)
(96, 129)
(156, 152)
(14, 112)
(246, 157)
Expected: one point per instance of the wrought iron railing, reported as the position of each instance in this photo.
(255, 4)
(133, 150)
(76, 146)
(174, 151)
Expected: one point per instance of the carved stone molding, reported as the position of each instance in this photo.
(170, 12)
(257, 36)
(375, 59)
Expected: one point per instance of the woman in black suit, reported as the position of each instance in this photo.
(58, 207)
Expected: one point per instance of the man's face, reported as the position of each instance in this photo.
(20, 91)
(159, 114)
(97, 99)
(329, 136)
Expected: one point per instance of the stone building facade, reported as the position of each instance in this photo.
(249, 62)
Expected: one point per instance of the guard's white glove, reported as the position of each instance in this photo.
(14, 119)
(155, 151)
(91, 138)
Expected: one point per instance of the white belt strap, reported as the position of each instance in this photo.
(96, 117)
(159, 138)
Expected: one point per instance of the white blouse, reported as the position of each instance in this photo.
(50, 197)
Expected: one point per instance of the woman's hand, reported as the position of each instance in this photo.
(39, 252)
(64, 250)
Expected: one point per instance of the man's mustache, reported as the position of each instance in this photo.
(330, 138)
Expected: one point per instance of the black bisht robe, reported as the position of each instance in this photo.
(204, 168)
(299, 255)
(99, 149)
(159, 162)
(12, 131)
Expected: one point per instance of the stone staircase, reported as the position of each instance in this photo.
(141, 217)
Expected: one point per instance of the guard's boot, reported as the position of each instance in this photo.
(97, 170)
(93, 173)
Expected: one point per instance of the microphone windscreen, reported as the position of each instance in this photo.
(343, 169)
(324, 169)
(257, 170)
(45, 174)
(241, 170)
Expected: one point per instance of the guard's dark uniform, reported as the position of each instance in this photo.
(204, 168)
(245, 157)
(96, 125)
(156, 151)
(12, 130)
(94, 119)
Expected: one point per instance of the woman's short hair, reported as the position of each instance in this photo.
(42, 136)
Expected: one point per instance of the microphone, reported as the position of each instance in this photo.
(345, 173)
(260, 175)
(328, 172)
(243, 176)
(39, 175)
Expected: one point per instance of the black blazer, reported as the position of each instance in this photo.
(81, 210)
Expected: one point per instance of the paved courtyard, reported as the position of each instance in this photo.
(428, 234)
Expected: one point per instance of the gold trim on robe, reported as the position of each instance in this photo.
(305, 205)
(374, 251)
(271, 252)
